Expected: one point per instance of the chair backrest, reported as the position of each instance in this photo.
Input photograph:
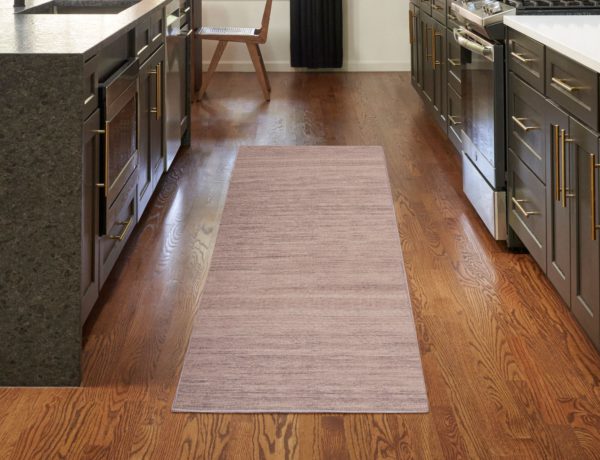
(264, 28)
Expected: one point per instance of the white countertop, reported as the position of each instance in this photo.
(577, 37)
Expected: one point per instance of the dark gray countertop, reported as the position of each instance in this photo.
(63, 33)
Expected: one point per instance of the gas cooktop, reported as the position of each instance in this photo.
(555, 6)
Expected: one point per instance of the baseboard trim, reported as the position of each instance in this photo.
(284, 66)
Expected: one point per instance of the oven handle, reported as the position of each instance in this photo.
(461, 36)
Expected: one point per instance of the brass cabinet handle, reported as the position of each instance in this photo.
(518, 204)
(187, 9)
(435, 7)
(519, 57)
(157, 36)
(565, 86)
(191, 31)
(452, 16)
(121, 236)
(593, 167)
(520, 124)
(454, 62)
(563, 166)
(453, 120)
(555, 144)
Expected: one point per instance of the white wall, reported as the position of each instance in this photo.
(375, 34)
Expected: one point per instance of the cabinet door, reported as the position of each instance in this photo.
(413, 23)
(150, 128)
(157, 148)
(89, 216)
(426, 33)
(438, 60)
(585, 247)
(557, 200)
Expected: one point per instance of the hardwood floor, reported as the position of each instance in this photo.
(509, 373)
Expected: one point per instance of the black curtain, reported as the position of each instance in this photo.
(316, 29)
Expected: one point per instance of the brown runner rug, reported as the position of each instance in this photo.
(306, 306)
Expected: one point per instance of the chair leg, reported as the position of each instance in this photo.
(264, 69)
(212, 67)
(260, 73)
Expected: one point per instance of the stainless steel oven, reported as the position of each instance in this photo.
(483, 129)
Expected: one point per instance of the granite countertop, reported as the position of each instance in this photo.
(63, 33)
(577, 37)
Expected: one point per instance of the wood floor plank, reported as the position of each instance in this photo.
(508, 371)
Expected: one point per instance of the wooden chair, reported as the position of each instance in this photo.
(251, 37)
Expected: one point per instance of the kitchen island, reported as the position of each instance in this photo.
(71, 190)
(554, 153)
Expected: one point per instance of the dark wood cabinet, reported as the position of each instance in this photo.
(558, 200)
(573, 87)
(430, 54)
(438, 11)
(90, 284)
(526, 130)
(553, 165)
(527, 207)
(416, 70)
(455, 118)
(526, 58)
(426, 33)
(438, 64)
(151, 145)
(585, 248)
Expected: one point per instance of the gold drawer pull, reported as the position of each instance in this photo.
(435, 7)
(452, 16)
(518, 204)
(565, 86)
(519, 57)
(593, 167)
(454, 62)
(555, 146)
(121, 237)
(187, 9)
(157, 36)
(453, 120)
(520, 124)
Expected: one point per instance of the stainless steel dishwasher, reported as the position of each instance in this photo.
(175, 81)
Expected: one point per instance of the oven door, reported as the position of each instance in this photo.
(483, 104)
(484, 155)
(119, 96)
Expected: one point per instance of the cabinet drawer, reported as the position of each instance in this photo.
(438, 10)
(425, 6)
(143, 35)
(123, 217)
(573, 87)
(527, 208)
(157, 28)
(452, 20)
(90, 86)
(455, 118)
(526, 127)
(526, 59)
(454, 63)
